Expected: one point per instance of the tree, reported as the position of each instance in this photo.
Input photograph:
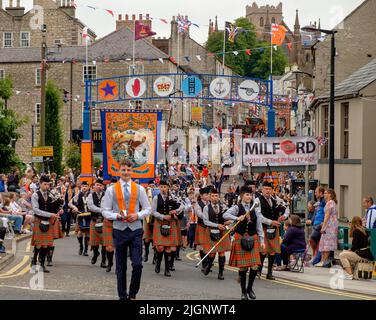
(9, 123)
(54, 135)
(72, 155)
(257, 63)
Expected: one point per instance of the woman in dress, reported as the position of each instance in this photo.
(329, 228)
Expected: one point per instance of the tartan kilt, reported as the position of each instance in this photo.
(272, 246)
(107, 233)
(148, 233)
(95, 237)
(224, 246)
(240, 258)
(56, 227)
(180, 238)
(42, 239)
(170, 241)
(201, 235)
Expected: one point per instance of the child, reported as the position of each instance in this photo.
(278, 257)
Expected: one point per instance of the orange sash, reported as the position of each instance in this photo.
(120, 197)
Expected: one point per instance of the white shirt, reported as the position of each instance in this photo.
(371, 217)
(107, 209)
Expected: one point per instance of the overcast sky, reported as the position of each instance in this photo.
(200, 11)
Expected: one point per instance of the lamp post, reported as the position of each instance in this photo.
(43, 88)
(332, 97)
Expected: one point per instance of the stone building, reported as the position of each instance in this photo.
(355, 46)
(355, 155)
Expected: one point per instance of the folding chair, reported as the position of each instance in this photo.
(297, 263)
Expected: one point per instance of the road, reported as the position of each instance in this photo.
(73, 277)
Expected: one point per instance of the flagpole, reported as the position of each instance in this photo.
(134, 45)
(177, 62)
(224, 50)
(271, 50)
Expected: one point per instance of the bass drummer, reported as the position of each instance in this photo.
(96, 225)
(78, 204)
(213, 219)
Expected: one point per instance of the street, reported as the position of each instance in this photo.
(74, 278)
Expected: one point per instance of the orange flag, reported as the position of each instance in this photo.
(278, 34)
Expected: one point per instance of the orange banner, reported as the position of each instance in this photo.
(197, 114)
(130, 135)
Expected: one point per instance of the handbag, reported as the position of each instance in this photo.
(271, 233)
(247, 243)
(363, 270)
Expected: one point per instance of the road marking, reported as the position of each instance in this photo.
(16, 267)
(28, 246)
(195, 256)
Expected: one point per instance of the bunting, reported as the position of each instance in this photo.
(232, 32)
(142, 31)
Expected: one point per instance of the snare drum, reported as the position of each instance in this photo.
(83, 221)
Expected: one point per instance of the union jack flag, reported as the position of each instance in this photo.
(183, 23)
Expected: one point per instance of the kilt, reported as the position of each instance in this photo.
(170, 241)
(240, 258)
(202, 235)
(107, 233)
(42, 239)
(78, 229)
(95, 237)
(57, 232)
(272, 246)
(148, 233)
(180, 238)
(224, 246)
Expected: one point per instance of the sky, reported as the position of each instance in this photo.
(331, 12)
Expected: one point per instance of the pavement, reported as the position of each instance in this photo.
(74, 278)
(11, 249)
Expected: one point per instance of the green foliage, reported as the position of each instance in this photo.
(6, 89)
(97, 163)
(72, 155)
(54, 135)
(256, 65)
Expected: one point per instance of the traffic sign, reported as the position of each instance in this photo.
(37, 159)
(43, 152)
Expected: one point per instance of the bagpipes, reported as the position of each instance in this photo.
(254, 206)
(280, 202)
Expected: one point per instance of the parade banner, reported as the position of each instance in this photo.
(292, 151)
(197, 114)
(131, 135)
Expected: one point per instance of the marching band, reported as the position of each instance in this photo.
(127, 215)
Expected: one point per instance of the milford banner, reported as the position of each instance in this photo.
(292, 151)
(131, 135)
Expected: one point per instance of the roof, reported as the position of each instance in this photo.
(356, 82)
(117, 45)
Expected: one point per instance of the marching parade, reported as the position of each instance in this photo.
(230, 160)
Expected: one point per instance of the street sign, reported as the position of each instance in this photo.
(43, 152)
(37, 159)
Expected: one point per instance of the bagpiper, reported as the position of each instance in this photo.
(148, 225)
(79, 206)
(202, 235)
(270, 210)
(213, 219)
(44, 218)
(248, 241)
(165, 234)
(94, 201)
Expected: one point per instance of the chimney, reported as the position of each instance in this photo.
(14, 11)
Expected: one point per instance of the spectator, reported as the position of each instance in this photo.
(293, 240)
(13, 181)
(2, 237)
(17, 210)
(317, 221)
(230, 197)
(370, 218)
(3, 183)
(6, 211)
(329, 229)
(359, 250)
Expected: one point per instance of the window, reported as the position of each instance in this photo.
(261, 22)
(345, 129)
(90, 73)
(325, 130)
(94, 115)
(2, 74)
(7, 39)
(38, 76)
(58, 41)
(25, 39)
(37, 113)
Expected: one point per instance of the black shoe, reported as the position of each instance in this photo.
(251, 294)
(270, 277)
(167, 273)
(44, 270)
(258, 274)
(157, 268)
(146, 258)
(67, 234)
(49, 264)
(244, 296)
(109, 268)
(103, 265)
(172, 268)
(85, 253)
(80, 251)
(95, 258)
(220, 276)
(178, 259)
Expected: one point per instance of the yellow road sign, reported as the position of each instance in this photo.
(43, 152)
